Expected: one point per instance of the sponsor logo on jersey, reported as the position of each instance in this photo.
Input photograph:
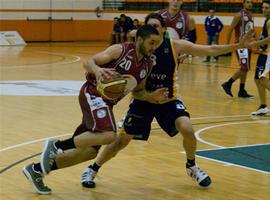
(143, 74)
(179, 25)
(101, 113)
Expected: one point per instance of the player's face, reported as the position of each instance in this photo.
(156, 23)
(266, 9)
(149, 45)
(175, 5)
(248, 4)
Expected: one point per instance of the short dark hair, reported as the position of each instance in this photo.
(266, 1)
(146, 30)
(155, 16)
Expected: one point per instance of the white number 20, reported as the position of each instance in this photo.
(125, 64)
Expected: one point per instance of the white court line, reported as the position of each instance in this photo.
(75, 59)
(66, 134)
(32, 142)
(197, 134)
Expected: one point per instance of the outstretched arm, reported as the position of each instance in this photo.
(182, 46)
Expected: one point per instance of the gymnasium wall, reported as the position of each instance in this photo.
(76, 20)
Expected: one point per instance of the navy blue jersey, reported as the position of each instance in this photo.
(164, 69)
(264, 34)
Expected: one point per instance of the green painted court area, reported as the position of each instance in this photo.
(255, 157)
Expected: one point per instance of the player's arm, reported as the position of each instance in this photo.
(234, 23)
(182, 46)
(159, 95)
(92, 65)
(263, 41)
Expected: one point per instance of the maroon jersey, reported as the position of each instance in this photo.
(180, 22)
(244, 25)
(97, 112)
(128, 65)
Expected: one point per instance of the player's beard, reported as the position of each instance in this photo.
(143, 50)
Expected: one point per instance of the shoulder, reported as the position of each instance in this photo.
(115, 50)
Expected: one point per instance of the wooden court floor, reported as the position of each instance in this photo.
(38, 100)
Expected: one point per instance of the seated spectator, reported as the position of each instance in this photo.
(126, 25)
(136, 26)
(115, 36)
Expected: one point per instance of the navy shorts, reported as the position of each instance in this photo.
(141, 114)
(260, 66)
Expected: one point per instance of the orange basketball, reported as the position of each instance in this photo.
(113, 88)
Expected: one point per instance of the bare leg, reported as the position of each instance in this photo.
(243, 76)
(112, 149)
(265, 82)
(183, 124)
(88, 139)
(261, 91)
(236, 75)
(75, 156)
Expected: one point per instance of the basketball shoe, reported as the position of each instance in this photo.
(227, 88)
(48, 156)
(261, 111)
(88, 177)
(199, 176)
(36, 179)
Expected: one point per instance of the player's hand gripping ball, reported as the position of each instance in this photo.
(112, 88)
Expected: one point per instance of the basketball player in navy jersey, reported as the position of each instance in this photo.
(98, 124)
(160, 100)
(263, 66)
(241, 24)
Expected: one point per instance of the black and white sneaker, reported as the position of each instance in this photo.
(88, 177)
(199, 176)
(261, 112)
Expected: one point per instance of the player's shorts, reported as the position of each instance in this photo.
(141, 114)
(97, 113)
(244, 57)
(260, 66)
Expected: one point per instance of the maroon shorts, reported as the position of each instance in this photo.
(97, 113)
(244, 57)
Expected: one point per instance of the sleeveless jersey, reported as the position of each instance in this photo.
(164, 69)
(180, 22)
(265, 34)
(244, 25)
(134, 71)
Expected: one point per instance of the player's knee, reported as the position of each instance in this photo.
(110, 137)
(187, 131)
(263, 81)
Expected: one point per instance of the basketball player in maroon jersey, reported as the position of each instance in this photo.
(133, 61)
(178, 20)
(241, 24)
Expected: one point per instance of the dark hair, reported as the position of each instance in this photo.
(155, 16)
(266, 1)
(146, 30)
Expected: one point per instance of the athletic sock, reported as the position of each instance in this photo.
(230, 81)
(37, 167)
(190, 163)
(66, 144)
(242, 87)
(263, 106)
(95, 167)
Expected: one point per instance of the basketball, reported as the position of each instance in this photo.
(112, 88)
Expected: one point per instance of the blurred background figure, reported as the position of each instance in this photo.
(213, 26)
(126, 25)
(115, 36)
